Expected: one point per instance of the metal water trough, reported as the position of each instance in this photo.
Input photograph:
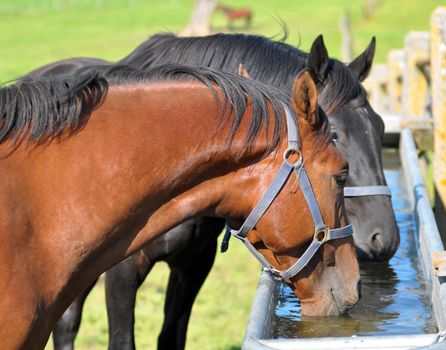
(258, 332)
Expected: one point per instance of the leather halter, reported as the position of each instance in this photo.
(322, 233)
(360, 191)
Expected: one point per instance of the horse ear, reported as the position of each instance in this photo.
(305, 98)
(242, 71)
(318, 59)
(361, 65)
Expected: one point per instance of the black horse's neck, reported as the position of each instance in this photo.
(270, 62)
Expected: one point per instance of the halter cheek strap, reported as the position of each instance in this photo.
(322, 234)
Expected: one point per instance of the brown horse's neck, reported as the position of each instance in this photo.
(189, 153)
(150, 157)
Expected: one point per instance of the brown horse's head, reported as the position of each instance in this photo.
(329, 284)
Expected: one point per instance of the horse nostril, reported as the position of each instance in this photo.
(376, 242)
(375, 237)
(379, 247)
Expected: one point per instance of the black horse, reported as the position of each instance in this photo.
(356, 129)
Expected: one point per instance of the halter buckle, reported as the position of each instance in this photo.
(321, 234)
(288, 152)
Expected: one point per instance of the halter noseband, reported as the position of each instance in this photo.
(361, 191)
(322, 233)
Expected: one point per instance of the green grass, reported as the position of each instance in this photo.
(219, 316)
(36, 32)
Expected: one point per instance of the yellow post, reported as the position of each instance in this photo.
(367, 85)
(438, 81)
(378, 89)
(416, 50)
(395, 80)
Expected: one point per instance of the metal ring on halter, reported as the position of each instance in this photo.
(289, 151)
(321, 234)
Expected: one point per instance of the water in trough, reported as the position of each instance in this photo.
(394, 295)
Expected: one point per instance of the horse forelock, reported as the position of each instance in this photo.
(324, 132)
(339, 88)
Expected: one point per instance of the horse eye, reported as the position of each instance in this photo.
(341, 180)
(334, 136)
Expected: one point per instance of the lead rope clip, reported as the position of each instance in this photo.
(225, 242)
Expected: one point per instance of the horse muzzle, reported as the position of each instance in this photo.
(332, 301)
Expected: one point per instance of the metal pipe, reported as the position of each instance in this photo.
(429, 236)
(262, 310)
(407, 341)
(417, 191)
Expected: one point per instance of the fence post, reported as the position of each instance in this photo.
(376, 87)
(416, 50)
(395, 80)
(438, 88)
(346, 37)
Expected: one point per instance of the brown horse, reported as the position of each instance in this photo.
(235, 14)
(96, 166)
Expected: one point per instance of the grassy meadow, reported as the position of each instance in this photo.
(219, 316)
(36, 32)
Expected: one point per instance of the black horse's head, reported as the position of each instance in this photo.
(358, 131)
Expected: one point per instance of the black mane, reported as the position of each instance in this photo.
(270, 62)
(40, 109)
(237, 92)
(36, 110)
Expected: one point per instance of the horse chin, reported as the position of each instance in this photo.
(329, 303)
(323, 307)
